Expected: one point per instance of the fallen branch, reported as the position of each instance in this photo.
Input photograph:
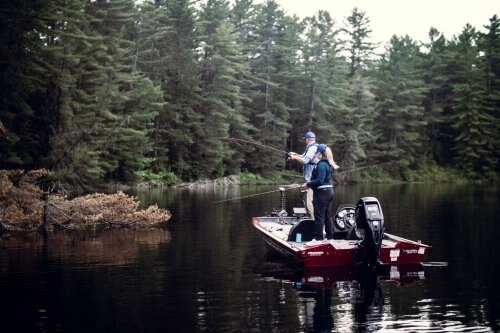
(28, 207)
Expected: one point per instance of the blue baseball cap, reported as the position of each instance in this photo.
(309, 135)
(321, 148)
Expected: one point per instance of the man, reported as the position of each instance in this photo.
(309, 160)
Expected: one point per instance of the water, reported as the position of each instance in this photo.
(207, 270)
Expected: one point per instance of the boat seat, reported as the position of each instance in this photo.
(340, 234)
(304, 227)
(351, 234)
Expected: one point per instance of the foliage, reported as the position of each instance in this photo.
(25, 206)
(400, 112)
(165, 177)
(21, 203)
(356, 117)
(277, 177)
(391, 173)
(120, 91)
(112, 210)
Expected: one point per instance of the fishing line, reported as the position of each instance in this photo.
(282, 151)
(365, 167)
(251, 142)
(256, 194)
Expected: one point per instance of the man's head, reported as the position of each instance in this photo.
(310, 137)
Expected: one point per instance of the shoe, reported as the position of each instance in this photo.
(313, 242)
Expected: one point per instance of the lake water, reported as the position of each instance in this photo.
(207, 270)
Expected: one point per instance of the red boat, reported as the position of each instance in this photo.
(359, 237)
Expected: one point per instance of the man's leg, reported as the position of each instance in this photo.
(309, 202)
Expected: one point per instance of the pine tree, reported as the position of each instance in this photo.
(24, 136)
(324, 91)
(288, 77)
(489, 43)
(355, 121)
(61, 41)
(152, 58)
(106, 108)
(435, 62)
(222, 69)
(473, 124)
(269, 56)
(178, 123)
(400, 123)
(242, 16)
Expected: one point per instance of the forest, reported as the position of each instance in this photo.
(119, 91)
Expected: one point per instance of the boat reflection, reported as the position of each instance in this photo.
(327, 277)
(351, 296)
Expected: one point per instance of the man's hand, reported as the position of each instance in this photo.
(293, 156)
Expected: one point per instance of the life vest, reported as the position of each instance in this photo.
(315, 159)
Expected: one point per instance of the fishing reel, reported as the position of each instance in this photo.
(289, 155)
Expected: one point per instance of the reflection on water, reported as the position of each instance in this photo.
(207, 270)
(77, 281)
(107, 247)
(359, 289)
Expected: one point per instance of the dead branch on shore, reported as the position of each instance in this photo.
(25, 206)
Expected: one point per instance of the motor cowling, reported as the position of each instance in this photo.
(370, 227)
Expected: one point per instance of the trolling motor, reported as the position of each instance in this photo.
(282, 212)
(370, 225)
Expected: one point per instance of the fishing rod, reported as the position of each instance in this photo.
(365, 167)
(282, 151)
(251, 142)
(256, 194)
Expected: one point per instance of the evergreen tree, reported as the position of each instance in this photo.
(24, 133)
(96, 90)
(61, 42)
(153, 58)
(489, 43)
(174, 66)
(474, 137)
(222, 69)
(103, 120)
(325, 85)
(400, 123)
(289, 74)
(436, 61)
(271, 113)
(355, 121)
(242, 16)
(359, 48)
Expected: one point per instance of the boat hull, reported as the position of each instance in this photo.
(337, 252)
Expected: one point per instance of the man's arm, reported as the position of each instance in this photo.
(311, 152)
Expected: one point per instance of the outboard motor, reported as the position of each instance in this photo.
(370, 226)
